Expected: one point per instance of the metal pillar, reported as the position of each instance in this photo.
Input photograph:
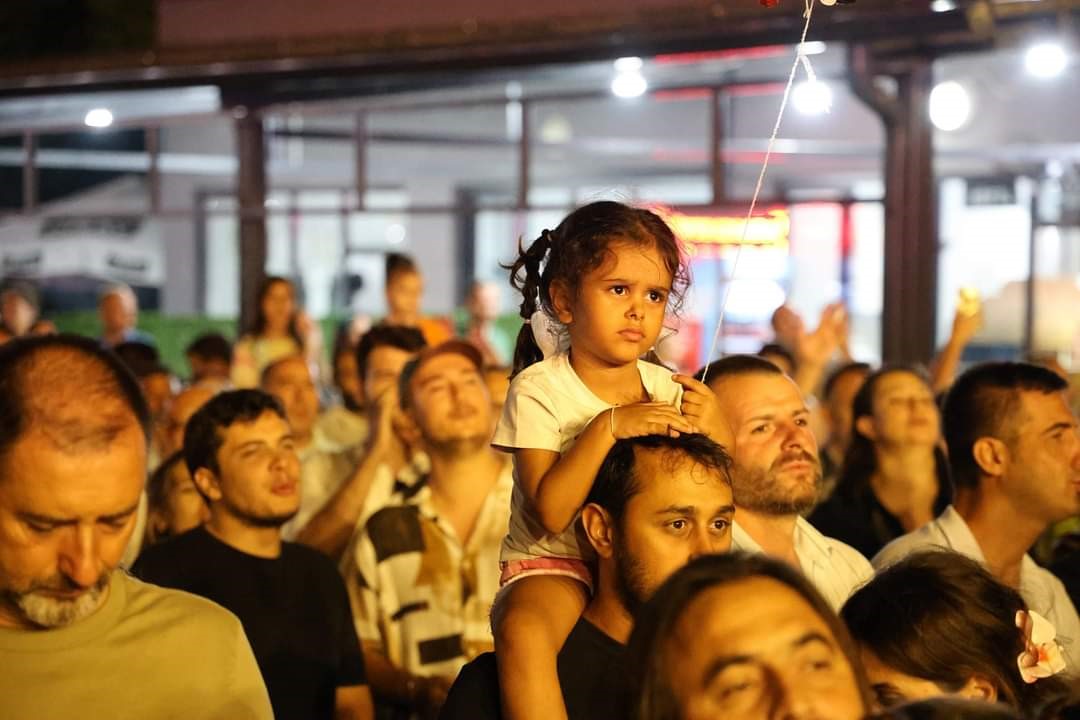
(716, 147)
(29, 174)
(360, 155)
(908, 318)
(153, 176)
(251, 199)
(523, 158)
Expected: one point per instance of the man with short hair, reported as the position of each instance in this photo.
(242, 457)
(657, 503)
(423, 572)
(210, 357)
(776, 475)
(323, 468)
(1014, 454)
(389, 456)
(118, 309)
(78, 638)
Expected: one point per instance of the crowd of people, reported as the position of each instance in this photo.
(442, 522)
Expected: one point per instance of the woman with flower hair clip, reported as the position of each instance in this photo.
(595, 294)
(938, 624)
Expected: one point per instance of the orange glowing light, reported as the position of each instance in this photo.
(770, 229)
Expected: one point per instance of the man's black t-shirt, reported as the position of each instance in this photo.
(590, 672)
(294, 609)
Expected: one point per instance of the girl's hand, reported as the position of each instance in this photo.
(648, 418)
(701, 406)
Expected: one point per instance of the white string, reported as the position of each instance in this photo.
(800, 58)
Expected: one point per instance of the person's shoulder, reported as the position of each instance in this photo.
(169, 555)
(901, 547)
(309, 559)
(475, 692)
(842, 555)
(177, 610)
(543, 372)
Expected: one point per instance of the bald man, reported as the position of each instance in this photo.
(77, 637)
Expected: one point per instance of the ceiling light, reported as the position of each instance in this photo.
(629, 85)
(1046, 60)
(950, 106)
(942, 5)
(812, 97)
(628, 64)
(98, 118)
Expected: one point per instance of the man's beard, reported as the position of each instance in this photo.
(457, 447)
(761, 490)
(50, 612)
(261, 521)
(630, 581)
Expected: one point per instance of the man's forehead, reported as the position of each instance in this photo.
(268, 425)
(752, 395)
(385, 356)
(446, 365)
(1043, 408)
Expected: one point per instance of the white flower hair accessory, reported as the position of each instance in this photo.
(550, 334)
(1042, 656)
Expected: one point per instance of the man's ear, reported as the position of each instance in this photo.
(991, 455)
(599, 528)
(207, 483)
(560, 300)
(864, 425)
(979, 688)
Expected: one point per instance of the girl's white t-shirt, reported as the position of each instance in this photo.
(546, 408)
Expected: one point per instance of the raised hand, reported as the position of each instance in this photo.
(701, 406)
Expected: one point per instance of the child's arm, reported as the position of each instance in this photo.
(558, 485)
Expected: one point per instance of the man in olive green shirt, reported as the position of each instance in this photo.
(79, 638)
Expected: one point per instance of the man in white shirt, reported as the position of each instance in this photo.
(777, 475)
(1014, 453)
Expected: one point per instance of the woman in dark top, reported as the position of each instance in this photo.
(895, 476)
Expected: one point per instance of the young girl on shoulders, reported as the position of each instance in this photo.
(596, 292)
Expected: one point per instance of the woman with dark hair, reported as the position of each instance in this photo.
(895, 477)
(279, 331)
(938, 623)
(741, 637)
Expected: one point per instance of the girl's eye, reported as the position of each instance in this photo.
(677, 524)
(619, 289)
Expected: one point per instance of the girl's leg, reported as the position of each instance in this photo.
(531, 620)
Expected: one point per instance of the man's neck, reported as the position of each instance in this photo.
(243, 536)
(461, 482)
(986, 513)
(609, 615)
(774, 533)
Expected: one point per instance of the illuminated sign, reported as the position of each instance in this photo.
(769, 229)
